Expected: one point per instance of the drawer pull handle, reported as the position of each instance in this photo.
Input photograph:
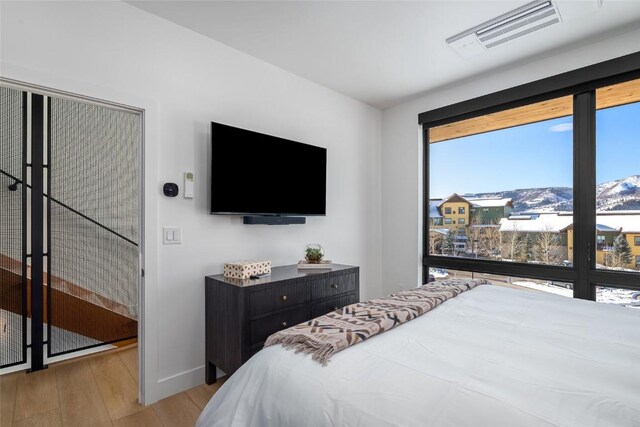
(284, 324)
(334, 286)
(284, 297)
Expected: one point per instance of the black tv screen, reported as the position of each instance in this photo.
(257, 174)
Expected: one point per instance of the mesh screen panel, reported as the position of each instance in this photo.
(93, 225)
(12, 315)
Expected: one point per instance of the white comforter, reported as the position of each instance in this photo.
(490, 357)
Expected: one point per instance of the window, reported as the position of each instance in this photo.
(617, 175)
(447, 221)
(447, 211)
(542, 134)
(536, 234)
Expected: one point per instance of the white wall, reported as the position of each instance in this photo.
(113, 51)
(402, 146)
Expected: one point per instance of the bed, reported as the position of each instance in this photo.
(491, 356)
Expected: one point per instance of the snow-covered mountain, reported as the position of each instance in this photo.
(621, 194)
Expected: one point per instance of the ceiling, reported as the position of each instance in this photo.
(383, 52)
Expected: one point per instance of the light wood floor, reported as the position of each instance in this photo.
(99, 390)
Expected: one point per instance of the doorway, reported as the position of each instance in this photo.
(70, 226)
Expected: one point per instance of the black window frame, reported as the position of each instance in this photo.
(582, 85)
(447, 209)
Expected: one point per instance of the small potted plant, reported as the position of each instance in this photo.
(313, 253)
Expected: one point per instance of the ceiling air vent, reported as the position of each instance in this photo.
(517, 23)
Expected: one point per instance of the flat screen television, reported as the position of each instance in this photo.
(257, 174)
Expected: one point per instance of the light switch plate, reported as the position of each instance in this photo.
(171, 235)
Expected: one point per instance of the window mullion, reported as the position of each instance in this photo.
(584, 188)
(425, 202)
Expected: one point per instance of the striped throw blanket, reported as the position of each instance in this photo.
(342, 328)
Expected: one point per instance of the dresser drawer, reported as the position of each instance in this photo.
(324, 307)
(333, 286)
(262, 328)
(280, 297)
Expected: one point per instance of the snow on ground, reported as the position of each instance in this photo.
(545, 288)
(618, 296)
(604, 295)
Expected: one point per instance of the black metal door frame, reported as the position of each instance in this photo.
(37, 232)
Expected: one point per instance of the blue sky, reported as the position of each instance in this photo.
(534, 155)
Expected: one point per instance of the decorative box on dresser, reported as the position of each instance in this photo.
(241, 314)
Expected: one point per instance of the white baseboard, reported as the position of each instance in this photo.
(179, 382)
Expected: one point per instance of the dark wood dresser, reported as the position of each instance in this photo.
(241, 314)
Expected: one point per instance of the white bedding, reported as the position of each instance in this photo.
(491, 357)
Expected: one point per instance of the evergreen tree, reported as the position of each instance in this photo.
(621, 251)
(449, 243)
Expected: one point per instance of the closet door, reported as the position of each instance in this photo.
(13, 199)
(93, 224)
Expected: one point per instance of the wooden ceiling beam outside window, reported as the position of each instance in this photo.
(609, 96)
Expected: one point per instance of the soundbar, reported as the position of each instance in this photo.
(273, 220)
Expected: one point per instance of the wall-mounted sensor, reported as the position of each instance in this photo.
(188, 185)
(170, 189)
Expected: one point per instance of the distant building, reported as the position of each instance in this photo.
(609, 225)
(460, 215)
(437, 237)
(435, 217)
(544, 233)
(457, 212)
(490, 211)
